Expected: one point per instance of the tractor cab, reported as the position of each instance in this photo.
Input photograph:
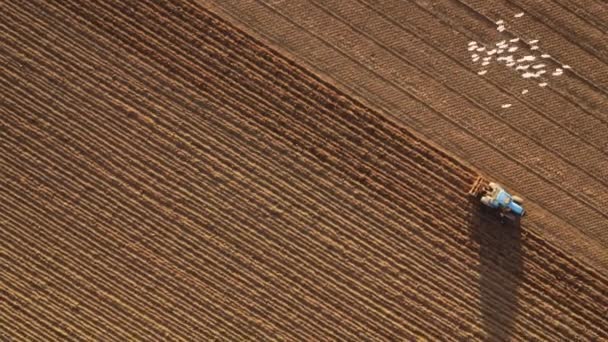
(495, 196)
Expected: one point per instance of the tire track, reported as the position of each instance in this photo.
(567, 24)
(590, 12)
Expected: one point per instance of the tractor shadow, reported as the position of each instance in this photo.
(500, 269)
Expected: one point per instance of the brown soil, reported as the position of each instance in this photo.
(166, 176)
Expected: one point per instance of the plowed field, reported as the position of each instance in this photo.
(165, 176)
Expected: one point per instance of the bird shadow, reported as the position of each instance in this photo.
(500, 269)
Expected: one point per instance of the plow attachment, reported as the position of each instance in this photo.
(477, 187)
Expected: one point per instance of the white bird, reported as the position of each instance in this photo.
(501, 42)
(500, 22)
(538, 66)
(510, 64)
(485, 63)
(557, 72)
(545, 55)
(482, 72)
(524, 91)
(501, 28)
(472, 43)
(513, 49)
(522, 67)
(566, 67)
(491, 52)
(519, 15)
(541, 72)
(500, 51)
(529, 75)
(506, 105)
(534, 47)
(533, 41)
(480, 49)
(544, 84)
(475, 59)
(514, 40)
(526, 58)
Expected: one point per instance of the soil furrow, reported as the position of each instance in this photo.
(157, 224)
(318, 126)
(54, 326)
(56, 303)
(178, 327)
(13, 308)
(94, 249)
(247, 332)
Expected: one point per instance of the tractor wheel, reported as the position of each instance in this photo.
(518, 199)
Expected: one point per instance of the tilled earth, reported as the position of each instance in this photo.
(166, 176)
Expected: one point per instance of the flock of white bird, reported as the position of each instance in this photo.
(528, 66)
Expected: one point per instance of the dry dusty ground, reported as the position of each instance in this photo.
(166, 176)
(410, 60)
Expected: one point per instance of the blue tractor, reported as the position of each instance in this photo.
(496, 197)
